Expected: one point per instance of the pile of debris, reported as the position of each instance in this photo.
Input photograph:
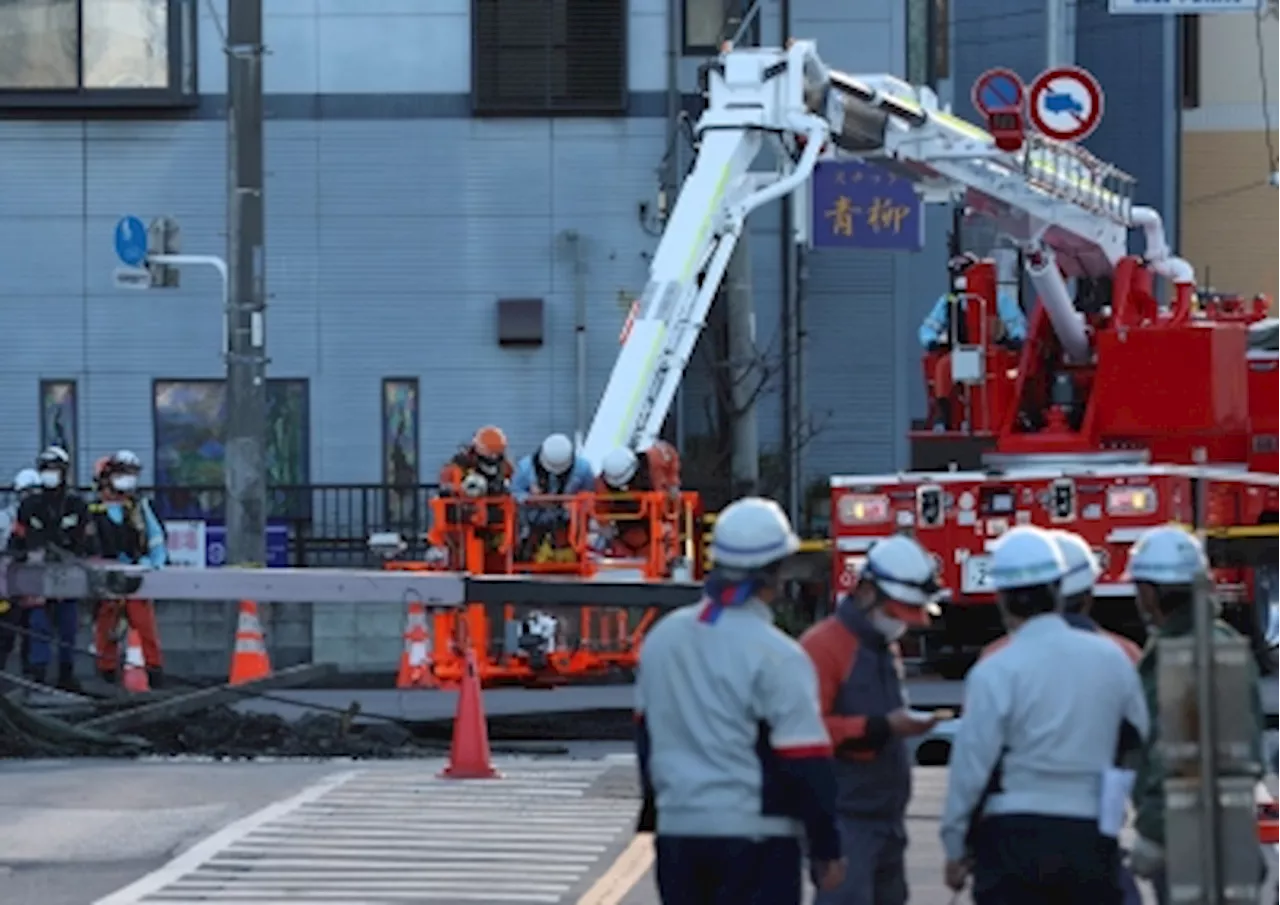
(197, 722)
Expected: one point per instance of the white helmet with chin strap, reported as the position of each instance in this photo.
(752, 533)
(556, 454)
(903, 571)
(619, 467)
(1026, 557)
(1082, 566)
(1167, 555)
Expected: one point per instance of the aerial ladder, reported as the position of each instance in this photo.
(1070, 212)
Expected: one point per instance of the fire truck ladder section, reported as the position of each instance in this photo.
(1067, 209)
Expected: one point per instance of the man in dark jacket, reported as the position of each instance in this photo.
(54, 522)
(855, 653)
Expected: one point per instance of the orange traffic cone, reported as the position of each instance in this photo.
(415, 663)
(249, 661)
(135, 669)
(469, 756)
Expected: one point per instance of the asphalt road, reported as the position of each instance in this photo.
(120, 833)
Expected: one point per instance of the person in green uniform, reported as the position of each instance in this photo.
(1164, 565)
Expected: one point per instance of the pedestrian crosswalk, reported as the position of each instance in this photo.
(398, 833)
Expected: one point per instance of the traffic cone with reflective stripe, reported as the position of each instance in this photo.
(469, 755)
(249, 661)
(415, 661)
(135, 669)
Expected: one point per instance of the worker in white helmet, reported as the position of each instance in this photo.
(1045, 720)
(1164, 564)
(864, 704)
(655, 470)
(15, 620)
(1077, 594)
(553, 469)
(735, 762)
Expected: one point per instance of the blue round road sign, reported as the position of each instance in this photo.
(131, 241)
(997, 89)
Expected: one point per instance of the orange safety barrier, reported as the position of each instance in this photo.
(641, 536)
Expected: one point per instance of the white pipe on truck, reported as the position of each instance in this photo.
(1158, 254)
(1067, 322)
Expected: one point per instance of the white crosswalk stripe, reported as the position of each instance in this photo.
(398, 833)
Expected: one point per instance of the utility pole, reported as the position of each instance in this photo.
(1055, 31)
(246, 313)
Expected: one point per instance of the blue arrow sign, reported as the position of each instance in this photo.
(131, 241)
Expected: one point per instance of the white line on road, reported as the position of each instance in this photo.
(399, 834)
(203, 851)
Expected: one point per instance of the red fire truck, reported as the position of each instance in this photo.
(1158, 416)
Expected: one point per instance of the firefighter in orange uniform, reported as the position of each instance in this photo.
(129, 532)
(656, 470)
(479, 469)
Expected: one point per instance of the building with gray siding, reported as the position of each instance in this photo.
(397, 218)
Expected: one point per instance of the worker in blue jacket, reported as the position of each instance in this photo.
(935, 333)
(735, 762)
(129, 532)
(553, 470)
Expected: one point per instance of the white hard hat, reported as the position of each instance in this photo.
(556, 454)
(26, 479)
(752, 533)
(1167, 555)
(903, 571)
(1082, 565)
(1025, 557)
(619, 467)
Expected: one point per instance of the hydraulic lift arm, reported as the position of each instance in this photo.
(1071, 211)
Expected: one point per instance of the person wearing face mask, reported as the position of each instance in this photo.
(859, 667)
(129, 532)
(735, 764)
(15, 619)
(553, 469)
(946, 322)
(54, 523)
(1164, 564)
(1035, 800)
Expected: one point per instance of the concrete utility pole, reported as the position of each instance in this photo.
(1055, 31)
(246, 313)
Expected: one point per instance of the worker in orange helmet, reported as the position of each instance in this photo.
(656, 469)
(481, 468)
(128, 531)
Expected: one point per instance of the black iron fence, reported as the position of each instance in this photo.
(311, 524)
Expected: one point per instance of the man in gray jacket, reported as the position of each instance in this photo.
(1034, 798)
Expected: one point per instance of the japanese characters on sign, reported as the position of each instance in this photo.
(860, 205)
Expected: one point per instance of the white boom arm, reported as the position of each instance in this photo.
(1072, 211)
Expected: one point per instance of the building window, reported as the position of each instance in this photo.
(59, 417)
(549, 57)
(190, 431)
(104, 54)
(400, 448)
(1189, 61)
(928, 41)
